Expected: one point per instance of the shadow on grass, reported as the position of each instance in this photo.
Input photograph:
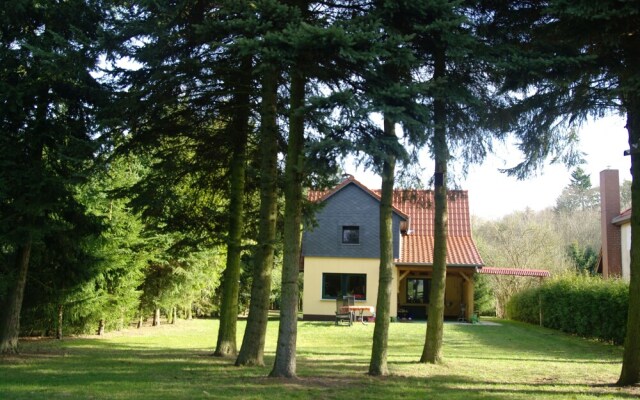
(98, 368)
(531, 343)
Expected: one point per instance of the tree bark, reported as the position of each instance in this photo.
(252, 349)
(630, 373)
(10, 329)
(432, 352)
(60, 319)
(101, 325)
(226, 344)
(174, 315)
(156, 317)
(378, 363)
(285, 362)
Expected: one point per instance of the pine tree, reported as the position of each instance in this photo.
(578, 71)
(49, 97)
(252, 349)
(191, 104)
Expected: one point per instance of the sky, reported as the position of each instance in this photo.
(493, 194)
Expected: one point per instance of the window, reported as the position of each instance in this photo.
(418, 290)
(335, 285)
(350, 234)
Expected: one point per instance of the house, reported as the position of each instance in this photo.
(340, 254)
(615, 228)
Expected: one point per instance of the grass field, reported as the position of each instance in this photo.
(507, 361)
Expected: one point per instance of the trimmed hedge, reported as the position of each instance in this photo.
(587, 306)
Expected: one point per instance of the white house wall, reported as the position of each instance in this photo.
(625, 248)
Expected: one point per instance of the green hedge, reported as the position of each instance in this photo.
(586, 306)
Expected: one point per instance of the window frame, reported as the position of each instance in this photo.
(344, 285)
(345, 229)
(426, 290)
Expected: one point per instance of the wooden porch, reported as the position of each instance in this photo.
(414, 287)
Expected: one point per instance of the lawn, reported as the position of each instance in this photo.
(505, 361)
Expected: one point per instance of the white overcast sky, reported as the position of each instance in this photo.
(493, 194)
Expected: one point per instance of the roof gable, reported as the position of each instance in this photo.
(417, 208)
(319, 196)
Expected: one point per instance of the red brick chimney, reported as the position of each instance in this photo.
(609, 209)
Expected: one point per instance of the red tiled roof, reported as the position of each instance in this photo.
(418, 207)
(514, 271)
(461, 250)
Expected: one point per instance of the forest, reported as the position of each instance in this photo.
(155, 155)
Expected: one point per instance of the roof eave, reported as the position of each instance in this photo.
(621, 219)
(416, 264)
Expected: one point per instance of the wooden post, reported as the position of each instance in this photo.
(468, 296)
(540, 301)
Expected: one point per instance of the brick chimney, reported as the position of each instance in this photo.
(609, 209)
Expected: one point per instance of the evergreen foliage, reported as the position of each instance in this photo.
(579, 194)
(483, 297)
(567, 71)
(585, 259)
(49, 98)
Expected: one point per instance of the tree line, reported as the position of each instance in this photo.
(144, 142)
(562, 239)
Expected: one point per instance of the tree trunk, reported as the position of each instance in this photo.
(139, 319)
(189, 311)
(252, 350)
(285, 362)
(630, 373)
(101, 325)
(60, 318)
(173, 314)
(378, 363)
(226, 344)
(432, 352)
(156, 317)
(10, 329)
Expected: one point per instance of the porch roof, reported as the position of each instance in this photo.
(515, 272)
(418, 249)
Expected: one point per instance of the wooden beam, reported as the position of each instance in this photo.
(402, 276)
(466, 278)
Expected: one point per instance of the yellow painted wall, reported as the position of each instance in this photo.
(314, 267)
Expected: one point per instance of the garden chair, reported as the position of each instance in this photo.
(463, 311)
(341, 314)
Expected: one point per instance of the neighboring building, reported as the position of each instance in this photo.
(615, 228)
(341, 252)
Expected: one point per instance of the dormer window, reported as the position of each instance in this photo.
(350, 234)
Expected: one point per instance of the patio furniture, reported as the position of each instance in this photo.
(360, 310)
(463, 311)
(343, 314)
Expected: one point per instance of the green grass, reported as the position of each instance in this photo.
(510, 361)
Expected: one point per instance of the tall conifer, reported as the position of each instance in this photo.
(48, 124)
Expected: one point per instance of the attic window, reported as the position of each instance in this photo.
(350, 234)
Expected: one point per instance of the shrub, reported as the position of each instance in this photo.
(483, 297)
(583, 305)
